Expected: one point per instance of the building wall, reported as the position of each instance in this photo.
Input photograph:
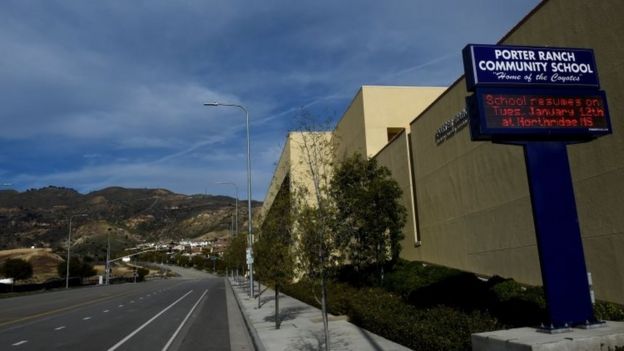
(472, 197)
(350, 133)
(364, 126)
(392, 107)
(309, 150)
(292, 166)
(282, 170)
(395, 156)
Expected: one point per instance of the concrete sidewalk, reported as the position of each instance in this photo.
(302, 325)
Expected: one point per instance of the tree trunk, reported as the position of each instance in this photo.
(324, 310)
(259, 293)
(277, 317)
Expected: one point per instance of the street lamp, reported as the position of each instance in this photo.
(236, 190)
(250, 234)
(69, 246)
(107, 266)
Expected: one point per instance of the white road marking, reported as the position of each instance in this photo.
(147, 323)
(132, 301)
(183, 322)
(59, 328)
(141, 298)
(105, 311)
(86, 318)
(120, 306)
(20, 343)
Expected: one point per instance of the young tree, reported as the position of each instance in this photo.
(369, 217)
(235, 254)
(17, 268)
(273, 249)
(313, 207)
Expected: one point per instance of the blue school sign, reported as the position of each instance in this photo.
(491, 65)
(543, 99)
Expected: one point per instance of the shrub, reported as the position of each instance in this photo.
(425, 286)
(409, 276)
(77, 268)
(429, 307)
(516, 305)
(608, 311)
(141, 273)
(17, 269)
(386, 314)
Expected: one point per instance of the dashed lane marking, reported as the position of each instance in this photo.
(20, 343)
(58, 310)
(122, 341)
(59, 328)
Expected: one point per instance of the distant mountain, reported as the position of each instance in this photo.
(40, 217)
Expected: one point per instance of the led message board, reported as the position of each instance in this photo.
(496, 65)
(538, 114)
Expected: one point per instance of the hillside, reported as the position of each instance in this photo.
(44, 262)
(40, 218)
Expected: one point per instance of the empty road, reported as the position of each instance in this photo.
(193, 312)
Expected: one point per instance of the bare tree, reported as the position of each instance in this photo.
(313, 206)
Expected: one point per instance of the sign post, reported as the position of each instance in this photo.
(543, 99)
(559, 243)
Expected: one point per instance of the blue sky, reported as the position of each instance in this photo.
(110, 93)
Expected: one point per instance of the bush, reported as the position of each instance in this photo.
(17, 269)
(141, 273)
(77, 268)
(386, 314)
(608, 311)
(516, 305)
(423, 285)
(409, 276)
(429, 307)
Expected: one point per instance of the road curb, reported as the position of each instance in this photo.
(255, 338)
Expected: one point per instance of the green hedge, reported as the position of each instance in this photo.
(386, 314)
(427, 307)
(608, 311)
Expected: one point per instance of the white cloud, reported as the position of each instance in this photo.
(125, 81)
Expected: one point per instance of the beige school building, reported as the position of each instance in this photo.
(468, 202)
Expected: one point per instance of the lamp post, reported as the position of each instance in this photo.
(236, 191)
(69, 246)
(107, 266)
(250, 234)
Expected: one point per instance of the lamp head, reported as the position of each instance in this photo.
(211, 104)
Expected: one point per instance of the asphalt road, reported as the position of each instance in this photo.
(187, 313)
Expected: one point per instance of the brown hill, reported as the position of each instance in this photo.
(44, 262)
(40, 218)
